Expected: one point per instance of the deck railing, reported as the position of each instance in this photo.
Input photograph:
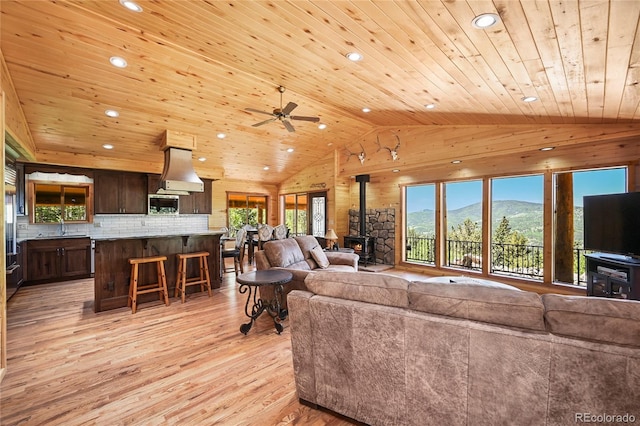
(508, 259)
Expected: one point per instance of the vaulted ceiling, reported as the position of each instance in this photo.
(195, 66)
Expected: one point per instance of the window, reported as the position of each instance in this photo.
(246, 209)
(569, 264)
(420, 224)
(463, 243)
(516, 229)
(517, 226)
(305, 214)
(53, 203)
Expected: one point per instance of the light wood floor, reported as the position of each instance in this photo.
(186, 364)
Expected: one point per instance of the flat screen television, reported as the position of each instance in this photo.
(612, 224)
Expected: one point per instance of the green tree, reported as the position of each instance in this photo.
(466, 231)
(510, 248)
(464, 245)
(238, 217)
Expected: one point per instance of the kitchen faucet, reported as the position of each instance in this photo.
(63, 229)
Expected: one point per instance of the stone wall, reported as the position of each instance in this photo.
(380, 225)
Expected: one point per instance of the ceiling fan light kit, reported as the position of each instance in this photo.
(283, 114)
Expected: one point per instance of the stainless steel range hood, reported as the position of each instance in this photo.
(178, 176)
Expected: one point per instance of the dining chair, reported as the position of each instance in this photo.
(265, 233)
(236, 252)
(280, 232)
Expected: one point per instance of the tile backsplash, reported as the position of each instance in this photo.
(105, 226)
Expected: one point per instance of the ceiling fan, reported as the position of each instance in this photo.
(282, 114)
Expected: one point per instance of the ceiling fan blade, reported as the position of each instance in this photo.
(290, 107)
(288, 125)
(312, 119)
(264, 122)
(258, 111)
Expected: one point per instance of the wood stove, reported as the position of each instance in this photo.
(362, 246)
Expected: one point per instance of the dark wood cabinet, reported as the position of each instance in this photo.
(120, 192)
(612, 276)
(198, 202)
(153, 183)
(57, 259)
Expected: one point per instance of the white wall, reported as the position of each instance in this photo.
(105, 226)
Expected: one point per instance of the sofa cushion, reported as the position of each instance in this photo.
(320, 258)
(368, 287)
(593, 318)
(282, 253)
(473, 301)
(468, 280)
(306, 243)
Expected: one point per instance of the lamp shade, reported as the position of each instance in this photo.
(330, 235)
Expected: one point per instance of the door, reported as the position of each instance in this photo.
(318, 214)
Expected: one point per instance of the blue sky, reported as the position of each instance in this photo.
(526, 188)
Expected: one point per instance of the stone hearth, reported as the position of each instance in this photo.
(380, 224)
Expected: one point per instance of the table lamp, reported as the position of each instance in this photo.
(330, 236)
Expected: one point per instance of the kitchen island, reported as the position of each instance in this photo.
(112, 269)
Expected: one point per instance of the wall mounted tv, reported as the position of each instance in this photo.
(612, 224)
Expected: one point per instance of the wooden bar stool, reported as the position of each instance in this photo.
(160, 286)
(203, 279)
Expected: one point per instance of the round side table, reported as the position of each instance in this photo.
(250, 283)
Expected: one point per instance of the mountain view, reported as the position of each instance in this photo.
(524, 217)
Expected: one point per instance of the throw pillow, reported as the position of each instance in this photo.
(319, 256)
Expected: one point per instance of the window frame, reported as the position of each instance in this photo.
(309, 205)
(548, 230)
(247, 196)
(31, 200)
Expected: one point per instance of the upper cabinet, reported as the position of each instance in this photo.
(198, 202)
(120, 192)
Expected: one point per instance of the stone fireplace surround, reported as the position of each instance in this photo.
(380, 224)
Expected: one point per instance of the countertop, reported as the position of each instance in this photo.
(148, 236)
(123, 237)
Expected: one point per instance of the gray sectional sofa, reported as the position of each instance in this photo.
(294, 255)
(386, 351)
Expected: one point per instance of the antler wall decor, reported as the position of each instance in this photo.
(361, 155)
(393, 152)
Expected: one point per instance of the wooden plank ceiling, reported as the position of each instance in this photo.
(194, 66)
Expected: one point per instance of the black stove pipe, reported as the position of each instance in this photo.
(363, 179)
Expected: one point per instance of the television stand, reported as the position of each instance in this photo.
(621, 258)
(614, 276)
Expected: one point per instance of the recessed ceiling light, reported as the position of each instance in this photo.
(107, 146)
(265, 168)
(366, 110)
(289, 149)
(456, 162)
(112, 113)
(202, 159)
(529, 99)
(395, 170)
(354, 56)
(322, 126)
(131, 5)
(117, 61)
(547, 148)
(221, 135)
(485, 20)
(430, 106)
